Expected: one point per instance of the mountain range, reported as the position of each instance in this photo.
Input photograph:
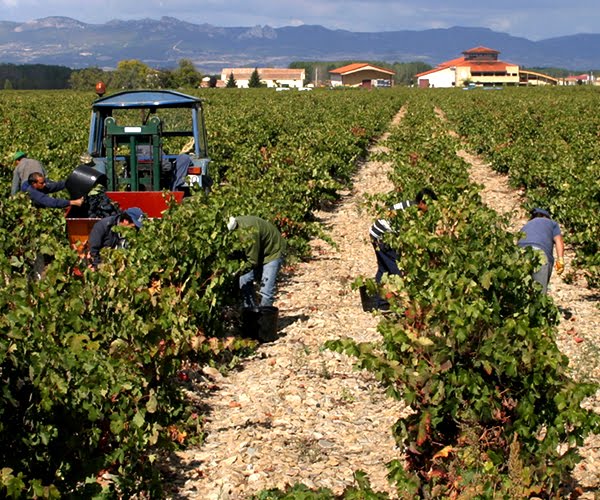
(162, 43)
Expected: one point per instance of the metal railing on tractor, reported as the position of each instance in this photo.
(138, 175)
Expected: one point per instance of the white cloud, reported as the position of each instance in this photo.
(501, 24)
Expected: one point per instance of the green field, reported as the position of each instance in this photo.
(89, 360)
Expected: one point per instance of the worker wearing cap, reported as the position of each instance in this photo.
(103, 236)
(24, 167)
(543, 234)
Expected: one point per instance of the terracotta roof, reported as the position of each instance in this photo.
(452, 62)
(351, 68)
(265, 73)
(434, 70)
(480, 49)
(488, 66)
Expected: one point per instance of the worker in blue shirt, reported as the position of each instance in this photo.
(38, 189)
(543, 235)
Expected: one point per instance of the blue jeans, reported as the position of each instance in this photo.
(387, 263)
(387, 260)
(542, 275)
(266, 275)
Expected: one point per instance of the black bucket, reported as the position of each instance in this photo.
(260, 323)
(368, 302)
(82, 180)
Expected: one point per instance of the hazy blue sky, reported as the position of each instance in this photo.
(532, 19)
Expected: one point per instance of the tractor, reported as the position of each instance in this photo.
(139, 141)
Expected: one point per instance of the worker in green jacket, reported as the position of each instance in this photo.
(264, 248)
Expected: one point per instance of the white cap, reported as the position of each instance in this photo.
(231, 223)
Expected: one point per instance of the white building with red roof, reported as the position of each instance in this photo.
(583, 79)
(479, 66)
(361, 75)
(271, 77)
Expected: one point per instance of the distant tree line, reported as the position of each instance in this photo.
(34, 76)
(318, 71)
(559, 72)
(129, 74)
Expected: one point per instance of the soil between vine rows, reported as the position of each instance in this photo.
(295, 413)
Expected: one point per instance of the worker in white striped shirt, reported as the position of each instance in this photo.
(387, 257)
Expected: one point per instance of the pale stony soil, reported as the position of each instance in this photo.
(295, 413)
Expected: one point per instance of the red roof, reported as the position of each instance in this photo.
(583, 76)
(486, 66)
(434, 70)
(351, 68)
(452, 62)
(480, 49)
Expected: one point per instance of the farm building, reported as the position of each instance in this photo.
(527, 77)
(361, 75)
(480, 66)
(271, 77)
(583, 79)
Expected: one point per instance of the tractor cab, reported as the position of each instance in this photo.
(148, 147)
(136, 137)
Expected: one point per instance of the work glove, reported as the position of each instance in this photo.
(560, 266)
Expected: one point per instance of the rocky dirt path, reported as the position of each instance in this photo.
(295, 413)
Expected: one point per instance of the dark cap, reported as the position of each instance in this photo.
(540, 212)
(136, 215)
